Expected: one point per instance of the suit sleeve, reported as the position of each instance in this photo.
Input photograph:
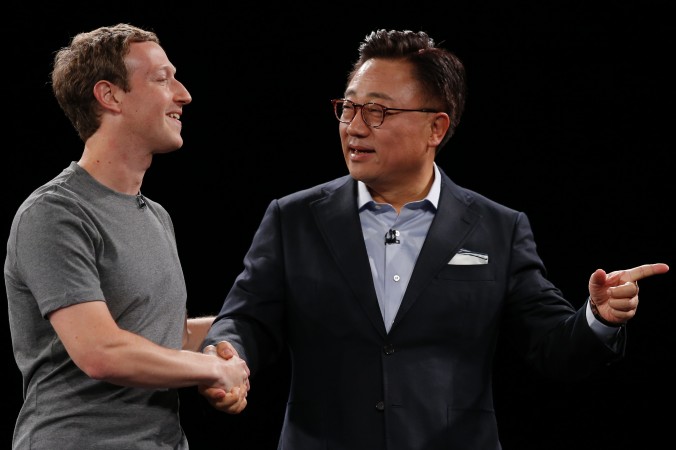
(251, 317)
(552, 336)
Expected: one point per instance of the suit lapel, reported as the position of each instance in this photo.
(452, 223)
(338, 220)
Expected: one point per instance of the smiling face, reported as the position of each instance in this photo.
(151, 109)
(396, 159)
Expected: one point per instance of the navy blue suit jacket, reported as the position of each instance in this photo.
(426, 384)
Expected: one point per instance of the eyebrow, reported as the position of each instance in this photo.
(376, 95)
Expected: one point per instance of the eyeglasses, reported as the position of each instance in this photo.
(373, 114)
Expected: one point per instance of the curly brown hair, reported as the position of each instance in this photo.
(89, 58)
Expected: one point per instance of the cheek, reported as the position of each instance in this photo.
(342, 132)
(402, 141)
(416, 139)
(409, 149)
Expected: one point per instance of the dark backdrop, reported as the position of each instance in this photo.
(569, 118)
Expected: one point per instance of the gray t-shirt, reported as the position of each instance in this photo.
(74, 240)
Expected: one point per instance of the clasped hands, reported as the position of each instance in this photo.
(231, 398)
(615, 294)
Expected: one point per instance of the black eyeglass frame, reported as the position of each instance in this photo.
(385, 109)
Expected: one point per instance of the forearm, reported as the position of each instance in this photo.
(131, 360)
(195, 331)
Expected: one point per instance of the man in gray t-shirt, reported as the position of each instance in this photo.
(96, 294)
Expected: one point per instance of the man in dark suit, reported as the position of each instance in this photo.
(391, 285)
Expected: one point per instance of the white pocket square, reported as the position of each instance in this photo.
(468, 258)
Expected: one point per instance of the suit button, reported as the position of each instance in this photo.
(380, 406)
(388, 349)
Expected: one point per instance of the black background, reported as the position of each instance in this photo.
(569, 118)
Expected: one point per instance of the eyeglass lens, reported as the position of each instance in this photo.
(372, 113)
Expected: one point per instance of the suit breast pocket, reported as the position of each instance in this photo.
(477, 272)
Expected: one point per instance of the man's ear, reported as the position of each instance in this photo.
(107, 94)
(439, 127)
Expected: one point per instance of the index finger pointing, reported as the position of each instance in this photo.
(646, 270)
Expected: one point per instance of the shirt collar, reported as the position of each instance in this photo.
(364, 196)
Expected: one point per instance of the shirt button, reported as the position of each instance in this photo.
(396, 278)
(380, 406)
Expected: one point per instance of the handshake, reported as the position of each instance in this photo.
(230, 392)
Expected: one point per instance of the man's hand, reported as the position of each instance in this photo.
(231, 401)
(615, 295)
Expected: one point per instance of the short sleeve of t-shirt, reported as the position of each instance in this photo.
(55, 252)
